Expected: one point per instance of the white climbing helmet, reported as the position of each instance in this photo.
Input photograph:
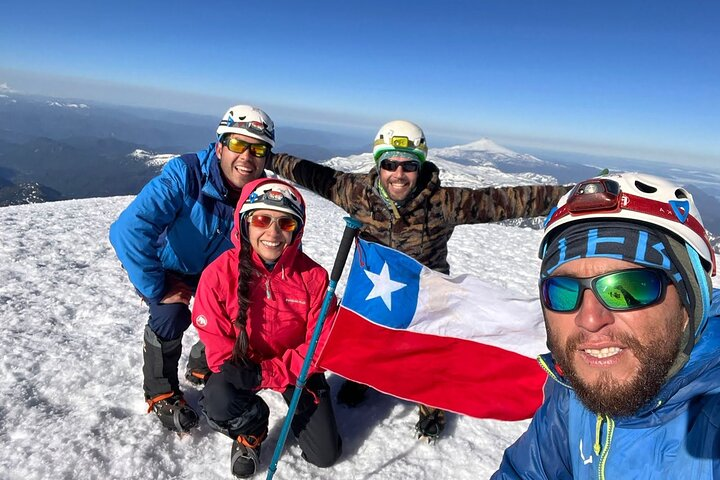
(400, 135)
(634, 196)
(275, 195)
(248, 120)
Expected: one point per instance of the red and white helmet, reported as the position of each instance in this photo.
(634, 196)
(275, 195)
(250, 121)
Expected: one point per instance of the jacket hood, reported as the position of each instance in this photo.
(247, 190)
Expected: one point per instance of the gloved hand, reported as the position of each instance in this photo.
(351, 393)
(246, 377)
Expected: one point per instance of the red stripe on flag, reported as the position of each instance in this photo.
(453, 374)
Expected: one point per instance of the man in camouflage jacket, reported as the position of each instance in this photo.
(403, 206)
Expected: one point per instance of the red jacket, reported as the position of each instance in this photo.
(285, 304)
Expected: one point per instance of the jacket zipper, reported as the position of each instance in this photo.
(390, 230)
(603, 455)
(551, 372)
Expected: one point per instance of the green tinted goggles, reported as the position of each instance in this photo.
(620, 290)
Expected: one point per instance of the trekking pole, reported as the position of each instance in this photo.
(351, 228)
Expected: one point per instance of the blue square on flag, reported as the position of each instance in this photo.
(385, 285)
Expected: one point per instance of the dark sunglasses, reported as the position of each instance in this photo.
(239, 146)
(621, 290)
(286, 224)
(392, 165)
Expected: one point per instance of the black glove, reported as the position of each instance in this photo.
(351, 393)
(246, 377)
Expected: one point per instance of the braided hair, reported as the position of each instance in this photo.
(246, 270)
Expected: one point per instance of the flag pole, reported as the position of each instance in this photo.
(351, 227)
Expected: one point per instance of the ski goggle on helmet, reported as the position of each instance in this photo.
(278, 197)
(633, 197)
(403, 136)
(247, 120)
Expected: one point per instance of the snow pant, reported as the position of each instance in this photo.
(235, 412)
(162, 347)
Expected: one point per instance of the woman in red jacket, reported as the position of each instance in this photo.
(255, 310)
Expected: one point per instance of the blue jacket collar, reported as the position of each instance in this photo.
(213, 184)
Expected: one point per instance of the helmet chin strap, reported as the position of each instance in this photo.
(386, 198)
(705, 287)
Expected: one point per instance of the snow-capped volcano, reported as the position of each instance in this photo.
(487, 145)
(151, 159)
(487, 152)
(472, 165)
(67, 105)
(5, 88)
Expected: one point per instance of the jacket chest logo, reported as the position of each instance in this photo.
(589, 459)
(295, 300)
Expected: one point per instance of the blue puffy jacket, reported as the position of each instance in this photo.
(179, 222)
(675, 437)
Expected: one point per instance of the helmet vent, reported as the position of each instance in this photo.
(644, 187)
(681, 193)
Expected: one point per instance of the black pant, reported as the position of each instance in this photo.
(161, 351)
(234, 412)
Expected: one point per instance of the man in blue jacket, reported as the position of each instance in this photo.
(634, 336)
(179, 223)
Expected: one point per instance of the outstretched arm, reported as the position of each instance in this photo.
(313, 176)
(334, 185)
(492, 204)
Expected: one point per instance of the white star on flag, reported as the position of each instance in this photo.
(383, 286)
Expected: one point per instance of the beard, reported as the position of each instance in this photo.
(607, 395)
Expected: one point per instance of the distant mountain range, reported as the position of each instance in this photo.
(53, 149)
(72, 148)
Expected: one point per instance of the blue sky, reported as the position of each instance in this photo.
(626, 78)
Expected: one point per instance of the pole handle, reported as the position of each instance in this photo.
(351, 227)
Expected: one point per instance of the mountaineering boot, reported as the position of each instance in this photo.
(431, 423)
(173, 412)
(245, 455)
(197, 371)
(351, 393)
(161, 384)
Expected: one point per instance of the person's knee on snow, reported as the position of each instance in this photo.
(169, 320)
(232, 411)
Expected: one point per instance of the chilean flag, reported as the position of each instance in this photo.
(449, 342)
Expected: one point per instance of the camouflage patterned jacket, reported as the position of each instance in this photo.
(427, 220)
